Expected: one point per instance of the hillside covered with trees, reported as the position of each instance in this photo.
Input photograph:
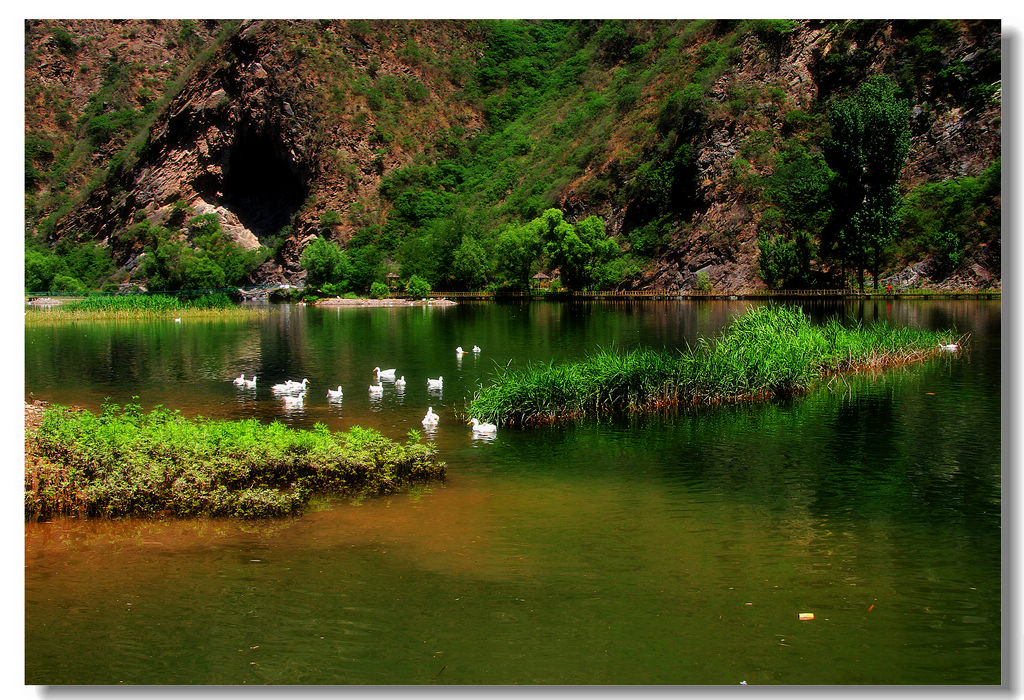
(189, 154)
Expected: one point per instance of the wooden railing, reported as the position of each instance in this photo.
(716, 294)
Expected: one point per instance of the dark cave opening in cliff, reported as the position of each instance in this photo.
(261, 184)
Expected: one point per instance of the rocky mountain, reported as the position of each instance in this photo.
(375, 133)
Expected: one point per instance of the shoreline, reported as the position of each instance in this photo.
(338, 301)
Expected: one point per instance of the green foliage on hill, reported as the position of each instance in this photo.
(609, 117)
(947, 218)
(66, 269)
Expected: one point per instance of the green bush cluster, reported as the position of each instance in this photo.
(582, 252)
(201, 256)
(69, 268)
(124, 461)
(948, 218)
(417, 287)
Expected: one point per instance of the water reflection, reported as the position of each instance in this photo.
(294, 404)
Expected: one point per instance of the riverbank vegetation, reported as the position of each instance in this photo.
(143, 306)
(124, 461)
(766, 352)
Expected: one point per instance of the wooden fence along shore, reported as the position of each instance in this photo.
(738, 294)
(671, 294)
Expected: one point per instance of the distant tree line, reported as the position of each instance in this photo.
(583, 253)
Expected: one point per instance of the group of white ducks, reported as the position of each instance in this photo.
(294, 393)
(389, 374)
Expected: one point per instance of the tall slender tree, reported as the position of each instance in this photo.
(867, 148)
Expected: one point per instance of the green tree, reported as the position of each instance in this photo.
(799, 190)
(163, 257)
(469, 264)
(517, 250)
(868, 145)
(322, 261)
(417, 287)
(580, 251)
(66, 284)
(785, 259)
(201, 272)
(367, 267)
(41, 266)
(704, 281)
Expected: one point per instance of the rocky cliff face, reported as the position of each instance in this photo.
(948, 141)
(261, 136)
(251, 138)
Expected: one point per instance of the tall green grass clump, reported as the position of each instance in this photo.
(768, 351)
(143, 306)
(123, 461)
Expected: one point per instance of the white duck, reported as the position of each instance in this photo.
(294, 401)
(239, 380)
(377, 389)
(290, 387)
(952, 347)
(400, 382)
(332, 394)
(435, 383)
(431, 418)
(251, 383)
(384, 374)
(479, 427)
(476, 348)
(459, 350)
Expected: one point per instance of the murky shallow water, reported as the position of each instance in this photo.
(669, 549)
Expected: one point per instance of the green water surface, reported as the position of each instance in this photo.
(677, 548)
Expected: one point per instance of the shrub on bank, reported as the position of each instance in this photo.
(123, 461)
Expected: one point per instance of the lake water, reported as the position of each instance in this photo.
(677, 548)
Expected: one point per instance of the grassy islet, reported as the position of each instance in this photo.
(767, 351)
(142, 306)
(124, 461)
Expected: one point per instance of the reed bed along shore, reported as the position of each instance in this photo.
(767, 352)
(123, 461)
(144, 307)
